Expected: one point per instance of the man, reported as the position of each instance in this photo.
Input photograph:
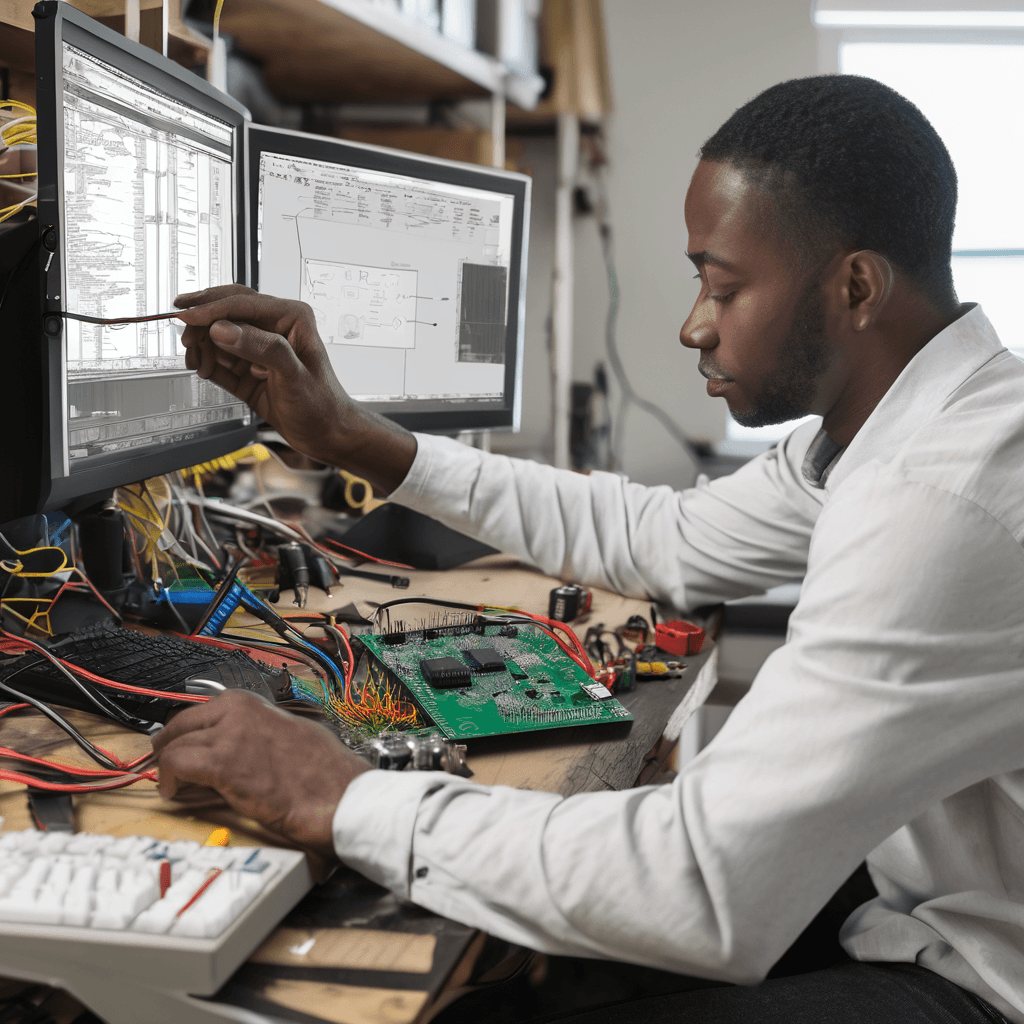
(888, 727)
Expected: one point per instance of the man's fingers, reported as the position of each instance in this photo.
(187, 761)
(254, 345)
(232, 302)
(191, 720)
(209, 295)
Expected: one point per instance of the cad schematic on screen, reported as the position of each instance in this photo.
(408, 279)
(148, 213)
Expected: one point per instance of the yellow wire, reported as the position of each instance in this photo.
(10, 211)
(38, 575)
(216, 18)
(253, 451)
(17, 105)
(24, 174)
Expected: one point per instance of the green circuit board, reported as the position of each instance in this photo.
(531, 684)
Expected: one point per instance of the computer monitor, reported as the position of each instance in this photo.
(140, 197)
(415, 269)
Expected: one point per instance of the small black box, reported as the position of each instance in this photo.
(484, 659)
(444, 673)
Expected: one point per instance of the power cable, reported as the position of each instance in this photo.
(628, 394)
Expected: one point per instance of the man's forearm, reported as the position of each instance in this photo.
(367, 444)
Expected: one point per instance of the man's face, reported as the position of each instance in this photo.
(759, 320)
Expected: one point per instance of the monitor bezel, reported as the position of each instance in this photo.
(462, 416)
(56, 23)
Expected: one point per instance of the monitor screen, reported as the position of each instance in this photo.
(414, 269)
(140, 184)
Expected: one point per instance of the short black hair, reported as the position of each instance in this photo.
(847, 161)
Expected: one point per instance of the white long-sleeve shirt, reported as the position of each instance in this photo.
(889, 726)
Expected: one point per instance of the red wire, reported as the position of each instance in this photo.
(576, 652)
(75, 769)
(363, 554)
(191, 698)
(127, 766)
(69, 787)
(350, 668)
(16, 641)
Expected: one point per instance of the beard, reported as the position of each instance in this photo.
(788, 391)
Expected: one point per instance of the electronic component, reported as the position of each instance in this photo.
(537, 687)
(319, 569)
(568, 602)
(293, 572)
(635, 629)
(660, 669)
(484, 659)
(130, 925)
(444, 673)
(409, 752)
(678, 637)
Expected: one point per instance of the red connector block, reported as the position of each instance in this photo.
(678, 637)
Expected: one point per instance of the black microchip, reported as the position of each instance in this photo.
(444, 673)
(484, 659)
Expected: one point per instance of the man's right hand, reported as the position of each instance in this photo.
(267, 352)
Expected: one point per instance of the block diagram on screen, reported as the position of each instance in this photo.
(359, 305)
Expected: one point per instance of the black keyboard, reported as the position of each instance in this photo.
(157, 662)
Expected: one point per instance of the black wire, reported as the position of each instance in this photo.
(97, 698)
(629, 394)
(177, 615)
(287, 632)
(62, 723)
(426, 600)
(222, 592)
(118, 321)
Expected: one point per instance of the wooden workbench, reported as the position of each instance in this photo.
(374, 959)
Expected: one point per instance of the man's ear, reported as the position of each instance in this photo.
(868, 282)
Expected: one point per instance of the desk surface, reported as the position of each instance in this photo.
(374, 959)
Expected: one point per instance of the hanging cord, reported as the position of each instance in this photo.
(628, 394)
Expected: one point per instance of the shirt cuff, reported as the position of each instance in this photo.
(444, 471)
(374, 822)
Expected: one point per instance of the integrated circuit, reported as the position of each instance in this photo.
(484, 659)
(444, 673)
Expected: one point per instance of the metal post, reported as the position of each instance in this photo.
(562, 283)
(132, 20)
(497, 129)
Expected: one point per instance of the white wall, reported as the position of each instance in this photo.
(679, 68)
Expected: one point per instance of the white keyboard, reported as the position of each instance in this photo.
(168, 916)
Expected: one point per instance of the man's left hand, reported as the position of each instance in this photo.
(285, 772)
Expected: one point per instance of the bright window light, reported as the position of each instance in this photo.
(919, 19)
(997, 282)
(973, 94)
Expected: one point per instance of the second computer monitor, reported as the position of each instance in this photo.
(415, 269)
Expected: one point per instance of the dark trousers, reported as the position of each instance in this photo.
(813, 983)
